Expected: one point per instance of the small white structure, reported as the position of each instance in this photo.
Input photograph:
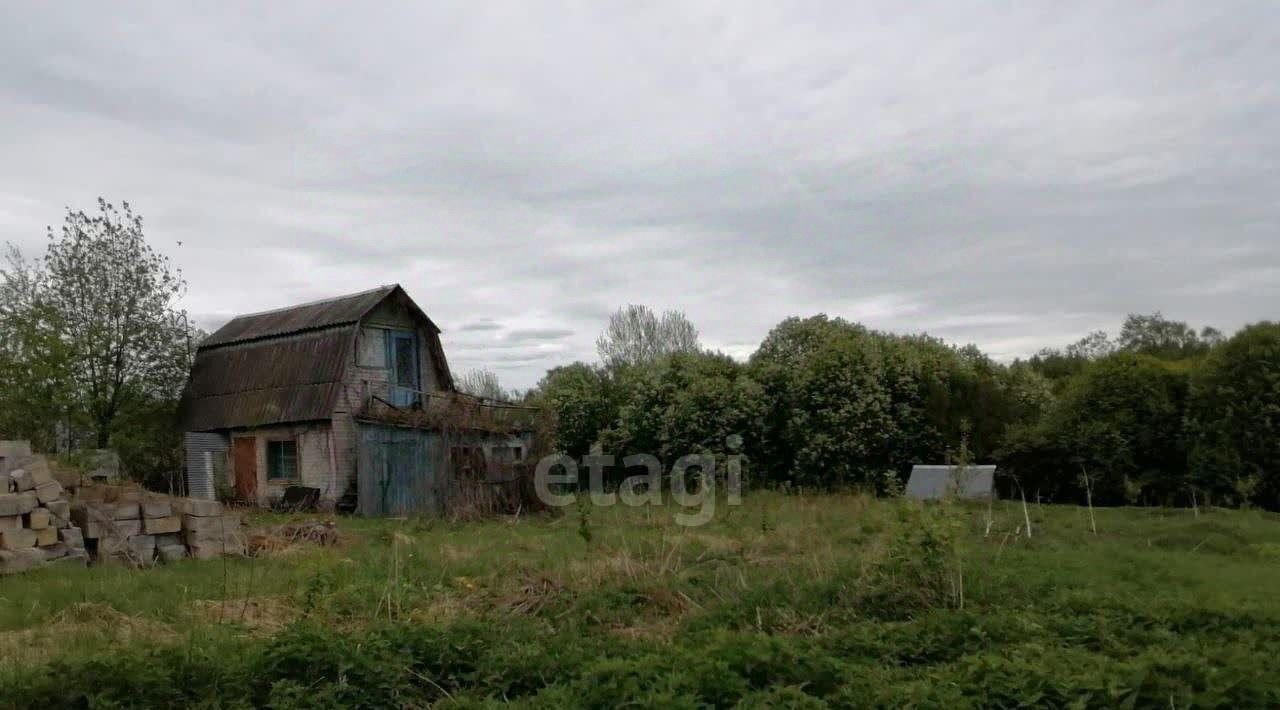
(936, 482)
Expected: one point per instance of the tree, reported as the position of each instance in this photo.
(36, 394)
(483, 383)
(580, 399)
(688, 403)
(635, 336)
(1120, 420)
(1233, 418)
(1160, 337)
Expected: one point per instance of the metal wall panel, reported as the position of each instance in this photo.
(206, 463)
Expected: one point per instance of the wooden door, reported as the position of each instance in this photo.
(246, 468)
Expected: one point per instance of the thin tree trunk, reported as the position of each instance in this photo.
(1088, 496)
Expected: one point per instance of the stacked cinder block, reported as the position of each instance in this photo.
(35, 520)
(208, 531)
(140, 529)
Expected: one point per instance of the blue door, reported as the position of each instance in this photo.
(406, 387)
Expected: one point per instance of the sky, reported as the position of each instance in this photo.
(1012, 175)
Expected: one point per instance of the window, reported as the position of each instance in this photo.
(371, 348)
(282, 460)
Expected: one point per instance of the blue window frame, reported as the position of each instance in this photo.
(404, 368)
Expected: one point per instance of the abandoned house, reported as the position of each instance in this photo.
(349, 399)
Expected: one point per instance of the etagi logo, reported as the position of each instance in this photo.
(693, 480)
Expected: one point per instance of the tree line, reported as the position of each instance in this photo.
(94, 350)
(1160, 414)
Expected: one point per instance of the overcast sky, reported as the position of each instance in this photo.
(1011, 175)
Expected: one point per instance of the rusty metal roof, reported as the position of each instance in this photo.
(286, 365)
(342, 310)
(288, 379)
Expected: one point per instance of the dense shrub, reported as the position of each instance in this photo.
(1234, 418)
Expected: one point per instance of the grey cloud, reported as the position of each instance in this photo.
(1014, 177)
(527, 334)
(481, 325)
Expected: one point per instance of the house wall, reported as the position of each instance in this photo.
(316, 459)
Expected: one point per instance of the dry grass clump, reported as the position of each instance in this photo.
(282, 538)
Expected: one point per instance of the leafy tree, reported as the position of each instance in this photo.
(36, 393)
(1160, 337)
(688, 403)
(580, 399)
(1120, 420)
(1234, 417)
(636, 336)
(112, 299)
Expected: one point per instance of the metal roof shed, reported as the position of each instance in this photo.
(936, 482)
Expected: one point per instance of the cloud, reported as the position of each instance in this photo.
(482, 325)
(1012, 177)
(526, 334)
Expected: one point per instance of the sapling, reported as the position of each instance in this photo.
(1088, 497)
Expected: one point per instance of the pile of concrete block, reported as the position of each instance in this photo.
(140, 529)
(35, 518)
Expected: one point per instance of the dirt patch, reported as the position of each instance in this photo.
(267, 614)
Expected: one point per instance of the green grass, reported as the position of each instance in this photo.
(794, 601)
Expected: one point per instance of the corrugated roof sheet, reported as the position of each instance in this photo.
(290, 379)
(934, 482)
(342, 310)
(286, 365)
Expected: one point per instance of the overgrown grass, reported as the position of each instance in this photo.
(795, 601)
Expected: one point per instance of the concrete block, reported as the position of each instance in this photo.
(143, 548)
(12, 562)
(51, 491)
(46, 536)
(53, 551)
(71, 536)
(38, 519)
(214, 550)
(169, 539)
(127, 510)
(157, 508)
(10, 522)
(17, 503)
(171, 553)
(20, 539)
(38, 467)
(228, 521)
(157, 526)
(126, 528)
(199, 508)
(59, 513)
(21, 480)
(93, 519)
(78, 558)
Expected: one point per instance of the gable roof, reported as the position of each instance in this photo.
(330, 312)
(286, 365)
(934, 482)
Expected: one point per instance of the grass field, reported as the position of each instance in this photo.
(786, 601)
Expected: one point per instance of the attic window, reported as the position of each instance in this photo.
(282, 460)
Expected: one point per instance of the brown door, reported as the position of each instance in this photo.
(246, 468)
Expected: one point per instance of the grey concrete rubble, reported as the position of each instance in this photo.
(35, 521)
(40, 523)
